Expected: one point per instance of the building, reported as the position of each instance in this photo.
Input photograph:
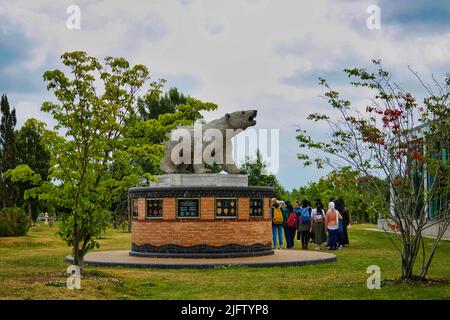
(432, 208)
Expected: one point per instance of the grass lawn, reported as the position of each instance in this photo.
(33, 267)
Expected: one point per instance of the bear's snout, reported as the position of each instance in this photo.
(252, 116)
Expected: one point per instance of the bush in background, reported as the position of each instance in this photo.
(13, 222)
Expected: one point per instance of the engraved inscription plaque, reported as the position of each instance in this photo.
(188, 208)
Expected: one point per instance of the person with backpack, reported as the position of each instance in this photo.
(332, 225)
(291, 224)
(277, 224)
(318, 225)
(298, 214)
(304, 224)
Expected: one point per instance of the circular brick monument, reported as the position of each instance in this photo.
(200, 216)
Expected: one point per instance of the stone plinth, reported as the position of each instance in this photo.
(206, 179)
(200, 216)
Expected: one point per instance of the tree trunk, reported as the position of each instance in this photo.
(408, 259)
(426, 266)
(78, 258)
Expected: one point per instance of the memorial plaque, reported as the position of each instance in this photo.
(188, 208)
(154, 208)
(226, 208)
(256, 208)
(134, 208)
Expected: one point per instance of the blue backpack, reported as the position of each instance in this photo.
(304, 215)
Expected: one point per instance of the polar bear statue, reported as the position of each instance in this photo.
(233, 123)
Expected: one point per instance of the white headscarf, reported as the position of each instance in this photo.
(331, 205)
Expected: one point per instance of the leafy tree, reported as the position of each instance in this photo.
(31, 149)
(155, 103)
(13, 222)
(32, 152)
(94, 160)
(258, 175)
(347, 184)
(387, 142)
(7, 151)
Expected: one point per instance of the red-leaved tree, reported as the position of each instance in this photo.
(397, 139)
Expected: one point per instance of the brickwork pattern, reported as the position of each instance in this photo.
(207, 230)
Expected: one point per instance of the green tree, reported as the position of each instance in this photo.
(32, 152)
(7, 152)
(348, 185)
(154, 104)
(94, 160)
(259, 175)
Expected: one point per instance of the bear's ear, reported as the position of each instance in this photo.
(227, 116)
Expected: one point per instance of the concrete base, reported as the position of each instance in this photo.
(279, 258)
(205, 179)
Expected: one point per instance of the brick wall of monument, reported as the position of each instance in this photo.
(207, 229)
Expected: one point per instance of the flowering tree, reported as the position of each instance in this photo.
(398, 140)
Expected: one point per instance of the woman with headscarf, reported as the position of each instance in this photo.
(332, 225)
(343, 234)
(318, 225)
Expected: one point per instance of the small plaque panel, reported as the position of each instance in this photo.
(226, 207)
(188, 208)
(134, 208)
(256, 208)
(154, 208)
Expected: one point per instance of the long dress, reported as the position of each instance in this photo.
(318, 228)
(343, 237)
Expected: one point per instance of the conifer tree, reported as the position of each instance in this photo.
(7, 151)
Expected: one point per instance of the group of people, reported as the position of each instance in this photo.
(311, 224)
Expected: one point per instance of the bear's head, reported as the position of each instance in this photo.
(241, 119)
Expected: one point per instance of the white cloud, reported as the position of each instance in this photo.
(238, 53)
(30, 109)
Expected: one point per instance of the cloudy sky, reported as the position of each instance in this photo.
(240, 54)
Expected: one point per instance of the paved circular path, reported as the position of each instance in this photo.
(280, 258)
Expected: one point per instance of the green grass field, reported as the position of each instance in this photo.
(33, 267)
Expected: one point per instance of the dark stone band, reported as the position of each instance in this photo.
(201, 251)
(199, 191)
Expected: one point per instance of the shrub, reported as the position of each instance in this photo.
(13, 222)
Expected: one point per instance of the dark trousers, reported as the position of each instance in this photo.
(311, 236)
(304, 236)
(289, 234)
(332, 239)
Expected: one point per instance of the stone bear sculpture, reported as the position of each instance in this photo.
(234, 123)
